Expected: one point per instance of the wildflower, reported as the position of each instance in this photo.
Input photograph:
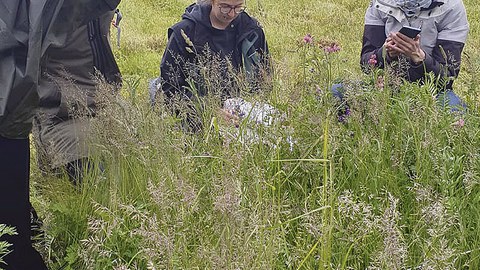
(459, 123)
(347, 111)
(380, 83)
(332, 48)
(343, 115)
(188, 41)
(308, 39)
(373, 60)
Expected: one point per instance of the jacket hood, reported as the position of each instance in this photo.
(395, 3)
(200, 13)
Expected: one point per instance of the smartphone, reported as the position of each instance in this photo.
(410, 31)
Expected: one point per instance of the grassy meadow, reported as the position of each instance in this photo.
(394, 186)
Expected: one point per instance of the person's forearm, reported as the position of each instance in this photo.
(444, 62)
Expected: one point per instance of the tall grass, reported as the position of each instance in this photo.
(5, 246)
(395, 185)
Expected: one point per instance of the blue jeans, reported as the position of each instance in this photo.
(446, 99)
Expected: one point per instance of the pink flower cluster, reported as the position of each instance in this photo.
(308, 39)
(333, 48)
(373, 60)
(327, 46)
(460, 123)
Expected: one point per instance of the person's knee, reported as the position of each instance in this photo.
(448, 99)
(337, 91)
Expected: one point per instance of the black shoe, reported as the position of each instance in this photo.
(36, 227)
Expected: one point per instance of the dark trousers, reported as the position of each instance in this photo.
(15, 204)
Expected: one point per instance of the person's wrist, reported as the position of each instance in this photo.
(418, 58)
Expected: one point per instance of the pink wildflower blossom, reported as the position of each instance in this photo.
(380, 83)
(308, 39)
(373, 60)
(332, 48)
(459, 123)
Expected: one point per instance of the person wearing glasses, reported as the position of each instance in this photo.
(212, 27)
(436, 49)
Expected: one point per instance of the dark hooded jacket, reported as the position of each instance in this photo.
(27, 29)
(242, 42)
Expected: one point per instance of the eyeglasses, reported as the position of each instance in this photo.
(225, 9)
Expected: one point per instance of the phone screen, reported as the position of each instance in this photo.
(410, 32)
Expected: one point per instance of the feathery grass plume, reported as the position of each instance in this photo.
(228, 201)
(394, 249)
(151, 266)
(355, 223)
(121, 266)
(437, 221)
(355, 218)
(108, 231)
(191, 47)
(157, 245)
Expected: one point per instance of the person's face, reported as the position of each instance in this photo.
(225, 11)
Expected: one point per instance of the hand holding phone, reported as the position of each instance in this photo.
(409, 31)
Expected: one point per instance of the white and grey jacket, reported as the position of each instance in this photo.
(444, 30)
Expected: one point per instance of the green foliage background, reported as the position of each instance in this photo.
(395, 187)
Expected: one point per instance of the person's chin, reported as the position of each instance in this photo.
(228, 20)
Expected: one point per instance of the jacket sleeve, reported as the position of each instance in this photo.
(172, 66)
(445, 59)
(444, 62)
(261, 47)
(265, 54)
(372, 44)
(373, 38)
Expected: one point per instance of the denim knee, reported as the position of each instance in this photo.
(448, 99)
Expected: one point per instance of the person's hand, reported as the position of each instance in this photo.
(410, 47)
(389, 47)
(229, 117)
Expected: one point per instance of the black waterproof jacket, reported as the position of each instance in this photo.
(27, 29)
(242, 42)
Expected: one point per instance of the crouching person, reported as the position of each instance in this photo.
(432, 44)
(437, 48)
(216, 37)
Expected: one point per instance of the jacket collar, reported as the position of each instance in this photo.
(434, 4)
